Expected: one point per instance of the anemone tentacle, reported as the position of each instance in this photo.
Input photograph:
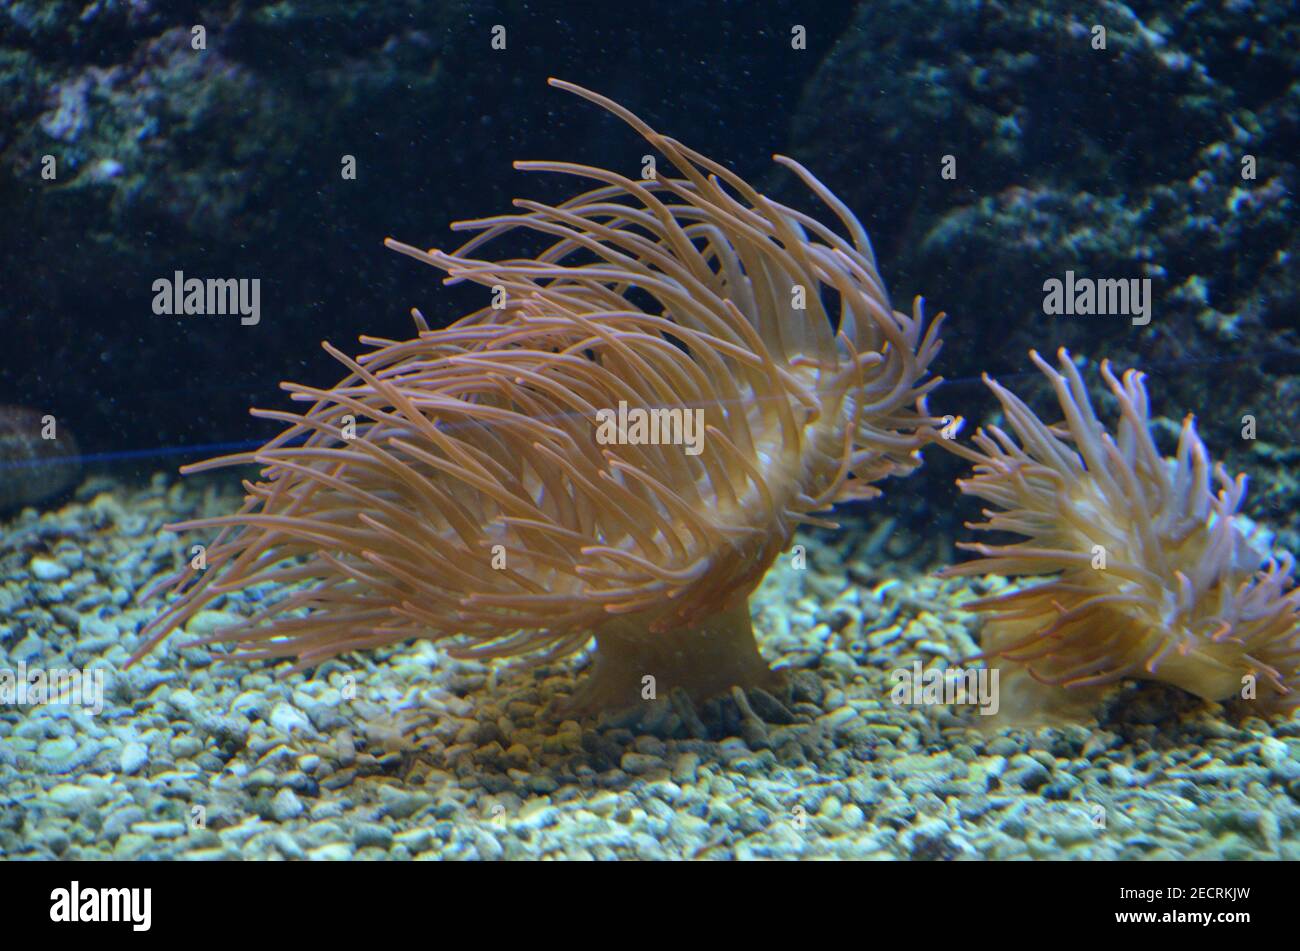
(1155, 575)
(454, 486)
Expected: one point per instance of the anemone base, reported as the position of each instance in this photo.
(633, 665)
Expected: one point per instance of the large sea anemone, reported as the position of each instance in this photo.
(1150, 573)
(470, 485)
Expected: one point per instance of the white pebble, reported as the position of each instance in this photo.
(286, 805)
(45, 569)
(287, 718)
(133, 757)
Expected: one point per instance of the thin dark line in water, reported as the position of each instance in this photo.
(212, 447)
(207, 449)
(127, 454)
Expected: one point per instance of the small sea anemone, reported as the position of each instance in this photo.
(497, 486)
(1154, 575)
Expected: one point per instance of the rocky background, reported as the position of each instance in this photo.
(224, 162)
(1116, 163)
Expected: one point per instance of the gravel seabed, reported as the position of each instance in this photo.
(403, 754)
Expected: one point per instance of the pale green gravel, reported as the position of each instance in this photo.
(402, 754)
